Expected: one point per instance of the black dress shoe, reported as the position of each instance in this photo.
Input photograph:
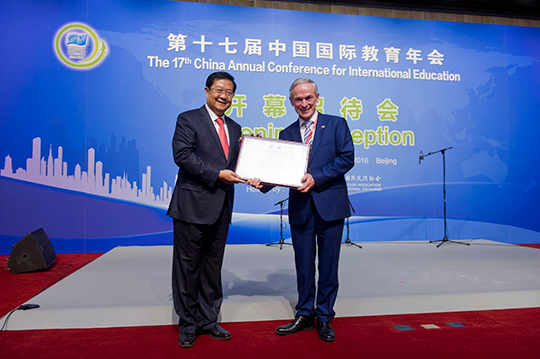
(186, 340)
(326, 332)
(218, 332)
(300, 322)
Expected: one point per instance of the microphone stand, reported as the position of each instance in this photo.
(445, 238)
(348, 240)
(281, 240)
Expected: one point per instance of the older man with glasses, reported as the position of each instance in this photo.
(205, 148)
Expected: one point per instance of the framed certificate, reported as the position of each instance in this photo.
(274, 162)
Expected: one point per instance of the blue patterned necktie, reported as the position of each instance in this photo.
(308, 134)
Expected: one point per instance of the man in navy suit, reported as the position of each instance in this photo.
(205, 148)
(317, 209)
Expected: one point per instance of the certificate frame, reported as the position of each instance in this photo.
(275, 162)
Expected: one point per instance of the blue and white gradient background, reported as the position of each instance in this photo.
(126, 111)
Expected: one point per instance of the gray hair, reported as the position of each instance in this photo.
(302, 81)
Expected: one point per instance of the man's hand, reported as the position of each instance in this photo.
(255, 182)
(229, 177)
(308, 183)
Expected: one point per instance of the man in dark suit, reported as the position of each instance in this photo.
(317, 209)
(205, 148)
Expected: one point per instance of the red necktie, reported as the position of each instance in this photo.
(223, 137)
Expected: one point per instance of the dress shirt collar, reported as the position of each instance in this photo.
(213, 116)
(313, 119)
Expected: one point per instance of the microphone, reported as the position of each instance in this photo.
(281, 202)
(421, 157)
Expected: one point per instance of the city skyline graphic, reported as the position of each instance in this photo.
(53, 172)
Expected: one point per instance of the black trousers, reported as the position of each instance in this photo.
(196, 278)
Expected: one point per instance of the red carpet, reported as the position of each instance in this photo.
(510, 333)
(19, 288)
(488, 334)
(531, 245)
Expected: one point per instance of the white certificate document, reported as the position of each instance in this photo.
(274, 162)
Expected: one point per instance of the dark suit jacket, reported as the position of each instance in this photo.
(332, 155)
(198, 195)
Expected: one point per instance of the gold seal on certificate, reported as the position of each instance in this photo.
(274, 162)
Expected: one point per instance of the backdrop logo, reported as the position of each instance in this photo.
(77, 46)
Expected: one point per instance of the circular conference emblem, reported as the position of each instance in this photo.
(78, 46)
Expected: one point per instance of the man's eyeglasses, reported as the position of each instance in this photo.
(219, 92)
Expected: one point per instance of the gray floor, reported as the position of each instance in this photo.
(130, 286)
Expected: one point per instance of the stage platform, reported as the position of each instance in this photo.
(131, 286)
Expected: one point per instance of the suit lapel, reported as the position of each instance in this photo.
(320, 132)
(295, 131)
(233, 136)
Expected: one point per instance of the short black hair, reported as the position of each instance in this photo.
(220, 75)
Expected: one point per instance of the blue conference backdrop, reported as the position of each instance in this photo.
(91, 91)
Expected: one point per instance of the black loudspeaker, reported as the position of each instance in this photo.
(33, 252)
